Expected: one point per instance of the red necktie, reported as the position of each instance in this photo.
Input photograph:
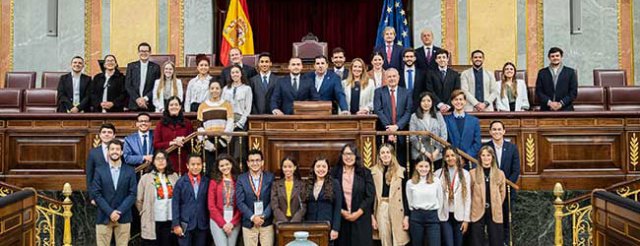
(393, 106)
(388, 53)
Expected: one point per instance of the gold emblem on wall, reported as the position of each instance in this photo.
(255, 144)
(633, 152)
(96, 141)
(530, 152)
(367, 152)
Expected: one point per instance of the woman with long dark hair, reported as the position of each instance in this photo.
(224, 216)
(171, 131)
(427, 118)
(287, 192)
(456, 208)
(324, 197)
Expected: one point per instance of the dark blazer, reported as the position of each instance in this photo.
(108, 199)
(421, 58)
(279, 201)
(323, 209)
(96, 159)
(396, 56)
(331, 89)
(115, 92)
(247, 71)
(345, 74)
(510, 161)
(419, 83)
(245, 198)
(133, 152)
(132, 84)
(565, 91)
(442, 89)
(65, 93)
(284, 95)
(186, 208)
(262, 95)
(382, 107)
(469, 141)
(363, 194)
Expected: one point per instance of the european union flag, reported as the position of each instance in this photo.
(393, 15)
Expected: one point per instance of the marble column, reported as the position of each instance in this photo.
(426, 14)
(198, 27)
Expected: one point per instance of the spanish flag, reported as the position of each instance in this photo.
(236, 31)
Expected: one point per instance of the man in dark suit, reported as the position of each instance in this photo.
(98, 156)
(138, 147)
(557, 84)
(443, 82)
(74, 89)
(338, 59)
(235, 56)
(328, 85)
(253, 194)
(412, 77)
(139, 80)
(463, 130)
(509, 162)
(292, 87)
(107, 90)
(114, 190)
(189, 212)
(426, 55)
(262, 86)
(392, 53)
(393, 106)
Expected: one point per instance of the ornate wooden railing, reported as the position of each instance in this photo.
(48, 212)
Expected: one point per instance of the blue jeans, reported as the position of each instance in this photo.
(451, 233)
(421, 221)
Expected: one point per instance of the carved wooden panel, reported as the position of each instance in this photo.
(586, 151)
(43, 152)
(304, 152)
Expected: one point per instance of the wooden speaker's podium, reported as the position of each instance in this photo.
(318, 232)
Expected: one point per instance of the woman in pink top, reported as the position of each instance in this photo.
(223, 211)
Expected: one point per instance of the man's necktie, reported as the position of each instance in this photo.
(195, 187)
(145, 145)
(264, 81)
(295, 84)
(393, 106)
(443, 74)
(388, 53)
(410, 79)
(428, 55)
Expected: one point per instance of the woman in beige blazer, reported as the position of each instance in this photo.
(155, 191)
(487, 195)
(390, 218)
(359, 82)
(456, 188)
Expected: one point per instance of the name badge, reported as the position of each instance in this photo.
(258, 208)
(228, 214)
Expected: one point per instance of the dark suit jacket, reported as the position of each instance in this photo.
(382, 107)
(345, 74)
(421, 58)
(443, 89)
(133, 151)
(279, 201)
(323, 209)
(284, 95)
(65, 93)
(331, 89)
(419, 84)
(95, 160)
(469, 141)
(245, 198)
(565, 91)
(132, 84)
(262, 95)
(247, 71)
(510, 161)
(396, 56)
(115, 92)
(186, 208)
(108, 199)
(363, 195)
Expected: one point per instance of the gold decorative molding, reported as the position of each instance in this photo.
(625, 38)
(255, 144)
(7, 18)
(96, 141)
(87, 34)
(181, 33)
(633, 152)
(540, 34)
(367, 152)
(443, 23)
(530, 152)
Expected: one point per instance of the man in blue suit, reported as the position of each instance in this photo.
(190, 216)
(393, 105)
(557, 84)
(328, 85)
(138, 147)
(292, 88)
(463, 129)
(114, 190)
(98, 156)
(509, 162)
(392, 53)
(253, 196)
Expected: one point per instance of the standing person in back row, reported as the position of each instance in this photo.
(443, 82)
(479, 85)
(557, 84)
(139, 80)
(235, 56)
(74, 89)
(391, 52)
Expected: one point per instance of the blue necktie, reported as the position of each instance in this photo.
(264, 81)
(145, 146)
(195, 187)
(410, 79)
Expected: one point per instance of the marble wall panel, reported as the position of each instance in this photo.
(163, 27)
(464, 47)
(198, 27)
(521, 61)
(426, 14)
(106, 27)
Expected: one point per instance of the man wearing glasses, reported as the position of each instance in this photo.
(139, 80)
(138, 147)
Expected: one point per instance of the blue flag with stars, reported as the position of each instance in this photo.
(393, 15)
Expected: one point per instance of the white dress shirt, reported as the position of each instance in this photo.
(424, 196)
(143, 76)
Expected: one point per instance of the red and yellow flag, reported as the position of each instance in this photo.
(236, 31)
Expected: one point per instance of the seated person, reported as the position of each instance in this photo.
(557, 84)
(107, 89)
(292, 88)
(327, 84)
(73, 89)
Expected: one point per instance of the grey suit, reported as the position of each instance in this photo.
(262, 95)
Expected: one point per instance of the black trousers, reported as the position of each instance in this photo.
(494, 231)
(164, 236)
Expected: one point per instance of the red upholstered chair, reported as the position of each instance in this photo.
(50, 80)
(162, 58)
(590, 98)
(10, 100)
(190, 59)
(40, 100)
(609, 77)
(21, 80)
(251, 60)
(520, 74)
(623, 98)
(307, 50)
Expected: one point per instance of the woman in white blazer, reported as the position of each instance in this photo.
(455, 214)
(358, 82)
(510, 99)
(167, 86)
